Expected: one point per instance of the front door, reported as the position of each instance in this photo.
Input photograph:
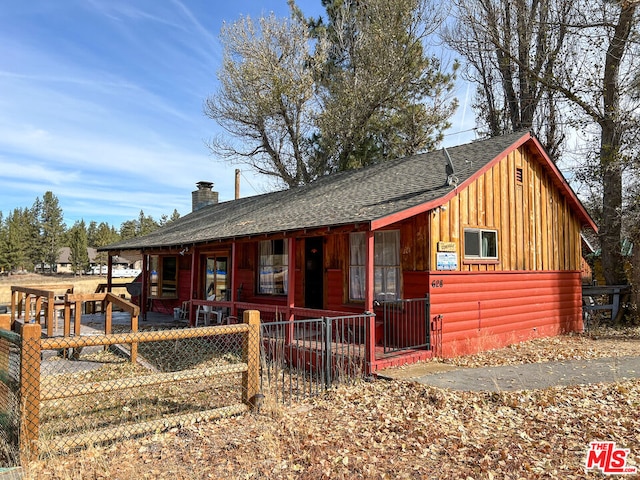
(313, 273)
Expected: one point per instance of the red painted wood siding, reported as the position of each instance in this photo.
(491, 310)
(335, 290)
(415, 284)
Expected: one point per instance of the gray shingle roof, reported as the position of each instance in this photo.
(343, 198)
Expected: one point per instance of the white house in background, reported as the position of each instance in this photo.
(122, 267)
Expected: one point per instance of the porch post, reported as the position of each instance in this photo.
(145, 285)
(234, 279)
(195, 256)
(291, 289)
(109, 271)
(368, 294)
(370, 342)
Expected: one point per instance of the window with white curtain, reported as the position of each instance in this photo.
(386, 265)
(357, 265)
(274, 267)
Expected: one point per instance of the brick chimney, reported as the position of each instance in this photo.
(203, 196)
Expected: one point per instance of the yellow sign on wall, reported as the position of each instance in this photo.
(446, 246)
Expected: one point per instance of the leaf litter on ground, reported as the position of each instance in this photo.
(384, 429)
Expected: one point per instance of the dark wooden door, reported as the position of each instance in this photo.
(313, 273)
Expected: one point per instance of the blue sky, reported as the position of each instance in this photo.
(101, 103)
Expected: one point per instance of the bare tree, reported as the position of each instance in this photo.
(266, 98)
(507, 47)
(592, 70)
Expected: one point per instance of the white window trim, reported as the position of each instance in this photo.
(480, 232)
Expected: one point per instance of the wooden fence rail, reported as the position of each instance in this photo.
(43, 298)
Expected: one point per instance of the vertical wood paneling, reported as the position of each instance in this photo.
(488, 194)
(473, 204)
(464, 206)
(511, 187)
(496, 196)
(539, 224)
(530, 245)
(544, 209)
(445, 226)
(536, 229)
(423, 245)
(408, 250)
(480, 201)
(434, 235)
(454, 207)
(505, 221)
(335, 298)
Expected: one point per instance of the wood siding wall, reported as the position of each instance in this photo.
(537, 230)
(481, 311)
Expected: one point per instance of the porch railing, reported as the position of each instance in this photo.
(305, 357)
(406, 324)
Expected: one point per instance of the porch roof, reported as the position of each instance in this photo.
(368, 195)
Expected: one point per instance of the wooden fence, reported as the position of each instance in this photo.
(42, 300)
(33, 391)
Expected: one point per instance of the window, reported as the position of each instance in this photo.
(274, 263)
(480, 244)
(164, 277)
(216, 281)
(386, 265)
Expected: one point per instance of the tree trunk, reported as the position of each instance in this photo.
(635, 279)
(611, 230)
(611, 142)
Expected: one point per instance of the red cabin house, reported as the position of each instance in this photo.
(484, 237)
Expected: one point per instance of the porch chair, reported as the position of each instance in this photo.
(184, 310)
(206, 311)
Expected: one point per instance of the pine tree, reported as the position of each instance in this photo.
(79, 256)
(52, 229)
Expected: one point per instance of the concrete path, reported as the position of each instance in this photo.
(523, 377)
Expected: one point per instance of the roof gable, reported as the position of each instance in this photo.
(376, 195)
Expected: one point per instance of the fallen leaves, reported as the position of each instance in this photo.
(395, 430)
(603, 342)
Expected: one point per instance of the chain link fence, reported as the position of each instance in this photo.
(67, 392)
(77, 391)
(10, 348)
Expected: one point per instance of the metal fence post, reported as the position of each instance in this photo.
(251, 356)
(30, 390)
(427, 319)
(370, 342)
(327, 352)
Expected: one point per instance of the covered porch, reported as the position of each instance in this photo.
(215, 284)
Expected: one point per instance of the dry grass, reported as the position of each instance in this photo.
(84, 284)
